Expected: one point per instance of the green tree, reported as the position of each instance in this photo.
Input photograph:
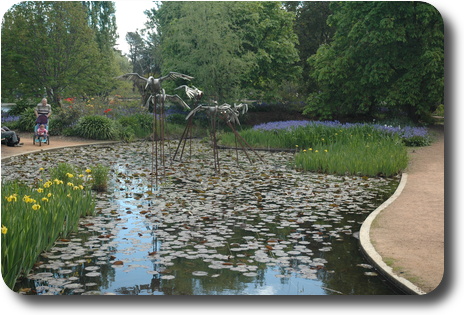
(49, 48)
(233, 49)
(197, 39)
(313, 31)
(102, 20)
(384, 55)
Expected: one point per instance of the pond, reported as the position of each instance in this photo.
(254, 229)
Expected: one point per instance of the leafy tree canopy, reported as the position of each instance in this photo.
(384, 56)
(50, 48)
(231, 48)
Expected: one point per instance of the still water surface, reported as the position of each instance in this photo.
(254, 229)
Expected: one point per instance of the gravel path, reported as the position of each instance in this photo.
(409, 233)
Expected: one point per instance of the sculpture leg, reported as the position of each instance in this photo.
(154, 145)
(244, 141)
(162, 134)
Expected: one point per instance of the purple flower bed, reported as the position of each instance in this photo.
(413, 136)
(6, 118)
(278, 125)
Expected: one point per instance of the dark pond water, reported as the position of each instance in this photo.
(254, 229)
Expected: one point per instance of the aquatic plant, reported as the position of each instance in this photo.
(33, 217)
(355, 148)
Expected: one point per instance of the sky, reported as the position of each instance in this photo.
(130, 17)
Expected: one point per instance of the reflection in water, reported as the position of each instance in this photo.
(260, 229)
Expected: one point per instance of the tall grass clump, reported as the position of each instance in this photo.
(96, 127)
(99, 177)
(385, 157)
(332, 147)
(33, 217)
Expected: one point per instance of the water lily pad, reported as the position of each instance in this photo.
(93, 274)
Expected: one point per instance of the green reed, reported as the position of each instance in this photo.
(380, 158)
(359, 149)
(34, 217)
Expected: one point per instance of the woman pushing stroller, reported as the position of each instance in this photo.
(42, 113)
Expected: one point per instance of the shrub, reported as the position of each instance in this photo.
(96, 127)
(27, 120)
(138, 125)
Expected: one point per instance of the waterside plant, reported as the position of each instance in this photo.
(34, 217)
(358, 149)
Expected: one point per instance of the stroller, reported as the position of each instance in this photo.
(40, 137)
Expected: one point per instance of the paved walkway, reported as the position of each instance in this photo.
(408, 234)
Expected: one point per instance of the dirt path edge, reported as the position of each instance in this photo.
(374, 257)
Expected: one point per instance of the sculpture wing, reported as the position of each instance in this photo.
(176, 99)
(194, 111)
(134, 77)
(191, 92)
(175, 75)
(139, 83)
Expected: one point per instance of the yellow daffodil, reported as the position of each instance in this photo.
(326, 151)
(44, 199)
(48, 184)
(36, 207)
(88, 170)
(81, 187)
(40, 190)
(4, 229)
(69, 175)
(76, 187)
(70, 184)
(41, 169)
(81, 175)
(49, 195)
(316, 151)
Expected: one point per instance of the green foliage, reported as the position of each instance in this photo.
(49, 48)
(62, 171)
(359, 149)
(313, 31)
(440, 111)
(232, 48)
(34, 217)
(386, 157)
(96, 127)
(27, 120)
(99, 175)
(386, 55)
(141, 124)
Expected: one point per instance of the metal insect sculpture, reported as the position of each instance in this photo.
(191, 92)
(226, 113)
(152, 94)
(151, 86)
